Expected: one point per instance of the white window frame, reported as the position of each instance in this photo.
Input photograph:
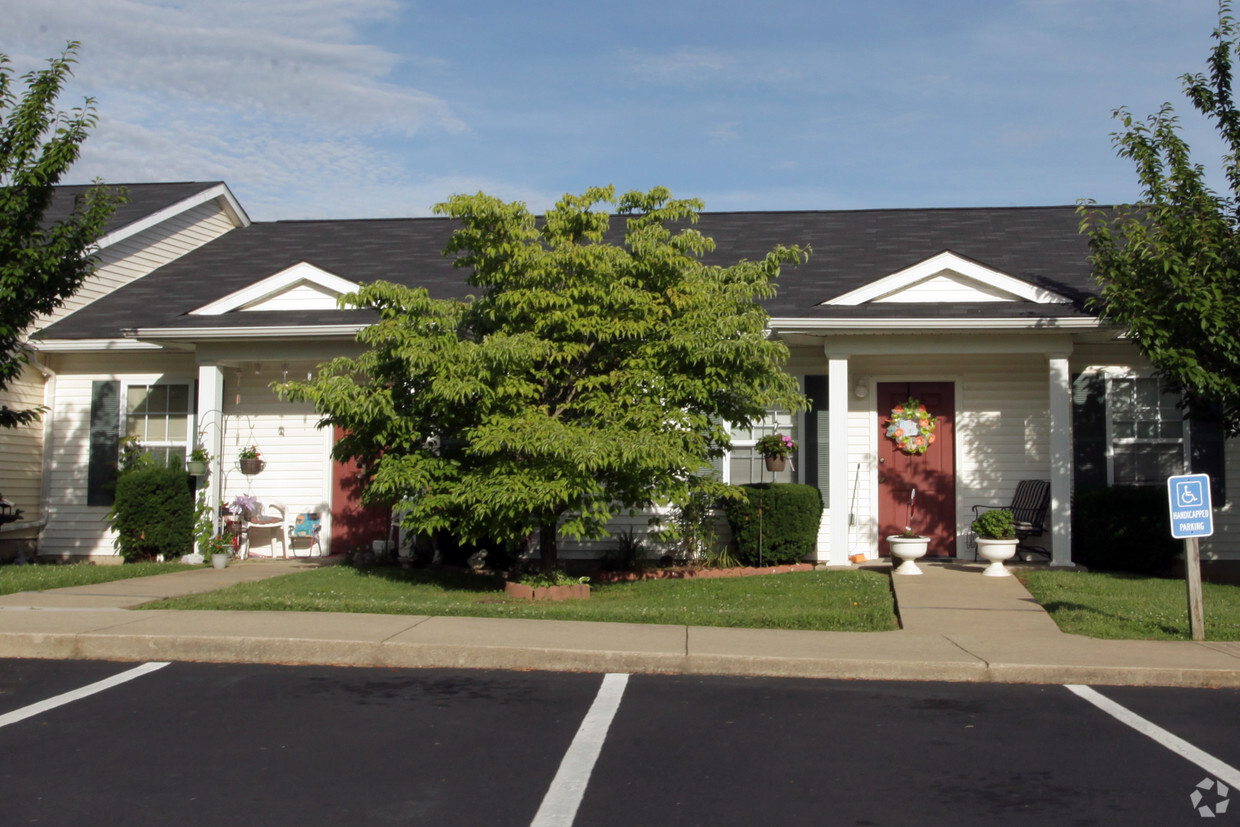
(771, 420)
(1111, 376)
(165, 444)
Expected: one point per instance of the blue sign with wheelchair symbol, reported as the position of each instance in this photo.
(1191, 512)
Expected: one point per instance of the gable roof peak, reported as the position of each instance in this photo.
(947, 277)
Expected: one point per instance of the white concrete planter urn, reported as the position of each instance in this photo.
(219, 561)
(908, 549)
(996, 552)
(996, 540)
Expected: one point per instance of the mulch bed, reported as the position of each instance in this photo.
(682, 573)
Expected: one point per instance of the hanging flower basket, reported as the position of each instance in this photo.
(775, 450)
(250, 460)
(911, 427)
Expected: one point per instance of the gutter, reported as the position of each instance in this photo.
(923, 324)
(80, 345)
(263, 332)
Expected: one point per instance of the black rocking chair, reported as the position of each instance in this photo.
(8, 512)
(1029, 506)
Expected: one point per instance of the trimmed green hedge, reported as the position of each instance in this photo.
(154, 514)
(1124, 529)
(785, 531)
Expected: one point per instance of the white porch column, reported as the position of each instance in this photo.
(211, 428)
(837, 404)
(1061, 459)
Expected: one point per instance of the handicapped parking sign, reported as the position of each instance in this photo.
(1191, 513)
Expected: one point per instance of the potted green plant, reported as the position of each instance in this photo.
(250, 460)
(197, 462)
(218, 549)
(995, 531)
(775, 450)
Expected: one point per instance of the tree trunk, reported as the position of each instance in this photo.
(547, 547)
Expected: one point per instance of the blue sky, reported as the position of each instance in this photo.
(372, 108)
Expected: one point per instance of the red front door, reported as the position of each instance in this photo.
(932, 474)
(354, 526)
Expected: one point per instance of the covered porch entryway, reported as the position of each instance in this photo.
(1006, 407)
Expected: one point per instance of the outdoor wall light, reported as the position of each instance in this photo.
(861, 390)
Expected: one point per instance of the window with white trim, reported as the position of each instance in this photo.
(1146, 432)
(159, 417)
(744, 464)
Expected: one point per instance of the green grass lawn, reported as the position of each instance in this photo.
(1129, 607)
(43, 577)
(848, 601)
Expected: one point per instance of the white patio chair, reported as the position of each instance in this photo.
(272, 523)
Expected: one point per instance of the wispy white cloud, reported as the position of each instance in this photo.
(679, 66)
(282, 91)
(347, 108)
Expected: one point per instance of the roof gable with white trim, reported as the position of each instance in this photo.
(946, 278)
(300, 287)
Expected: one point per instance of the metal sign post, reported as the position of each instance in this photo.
(1191, 517)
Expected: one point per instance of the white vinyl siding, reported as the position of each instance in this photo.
(146, 251)
(75, 528)
(21, 450)
(947, 286)
(300, 297)
(1002, 432)
(297, 474)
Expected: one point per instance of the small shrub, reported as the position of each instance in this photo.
(630, 553)
(689, 529)
(153, 513)
(778, 523)
(996, 524)
(546, 579)
(1124, 529)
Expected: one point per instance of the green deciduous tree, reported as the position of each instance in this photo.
(42, 263)
(1169, 266)
(586, 377)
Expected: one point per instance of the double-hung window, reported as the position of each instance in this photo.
(744, 464)
(159, 417)
(1146, 432)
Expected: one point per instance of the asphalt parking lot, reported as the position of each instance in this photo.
(210, 743)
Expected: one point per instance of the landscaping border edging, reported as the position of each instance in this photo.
(521, 591)
(696, 574)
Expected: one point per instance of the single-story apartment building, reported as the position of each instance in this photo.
(981, 315)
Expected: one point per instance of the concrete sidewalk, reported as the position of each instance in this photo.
(957, 626)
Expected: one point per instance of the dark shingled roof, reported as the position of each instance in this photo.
(1040, 245)
(142, 200)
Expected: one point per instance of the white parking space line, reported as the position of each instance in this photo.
(1220, 770)
(559, 806)
(77, 694)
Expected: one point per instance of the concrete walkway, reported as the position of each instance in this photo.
(957, 626)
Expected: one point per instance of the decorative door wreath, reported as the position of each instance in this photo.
(911, 427)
